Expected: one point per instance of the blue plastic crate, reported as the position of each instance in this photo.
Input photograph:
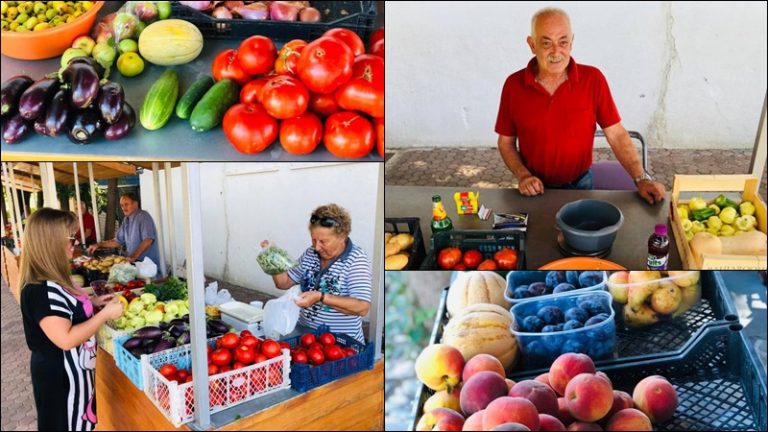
(126, 362)
(306, 377)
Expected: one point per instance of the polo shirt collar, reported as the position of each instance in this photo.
(345, 254)
(530, 71)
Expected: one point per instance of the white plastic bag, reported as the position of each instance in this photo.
(282, 314)
(147, 268)
(214, 297)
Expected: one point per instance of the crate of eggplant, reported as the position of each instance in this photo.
(129, 348)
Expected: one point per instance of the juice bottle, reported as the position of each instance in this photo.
(658, 248)
(440, 220)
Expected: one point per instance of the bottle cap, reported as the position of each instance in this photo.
(436, 198)
(661, 229)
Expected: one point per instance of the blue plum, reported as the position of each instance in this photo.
(590, 278)
(537, 288)
(563, 287)
(575, 346)
(572, 277)
(554, 278)
(573, 324)
(521, 293)
(551, 315)
(577, 314)
(532, 324)
(596, 319)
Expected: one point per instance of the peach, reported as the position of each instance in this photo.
(562, 412)
(474, 422)
(588, 397)
(443, 399)
(621, 400)
(629, 419)
(617, 286)
(544, 379)
(510, 383)
(440, 419)
(584, 426)
(566, 367)
(482, 362)
(549, 423)
(480, 390)
(542, 396)
(656, 397)
(510, 427)
(511, 410)
(439, 367)
(602, 374)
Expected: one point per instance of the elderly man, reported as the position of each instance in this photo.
(549, 109)
(137, 232)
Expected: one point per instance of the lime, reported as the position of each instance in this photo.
(130, 64)
(127, 45)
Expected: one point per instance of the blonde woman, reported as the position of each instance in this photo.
(59, 324)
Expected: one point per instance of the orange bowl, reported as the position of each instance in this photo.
(50, 42)
(581, 263)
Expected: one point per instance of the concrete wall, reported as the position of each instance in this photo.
(686, 75)
(244, 203)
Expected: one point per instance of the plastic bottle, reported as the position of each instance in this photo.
(658, 248)
(440, 220)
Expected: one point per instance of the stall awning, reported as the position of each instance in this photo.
(28, 174)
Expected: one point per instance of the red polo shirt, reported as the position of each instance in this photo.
(555, 133)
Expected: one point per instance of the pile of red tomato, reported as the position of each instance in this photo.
(452, 258)
(318, 350)
(288, 93)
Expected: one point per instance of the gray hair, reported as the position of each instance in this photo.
(547, 12)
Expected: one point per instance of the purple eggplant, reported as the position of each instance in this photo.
(183, 339)
(58, 113)
(132, 343)
(16, 128)
(123, 125)
(35, 98)
(137, 352)
(84, 83)
(40, 127)
(11, 92)
(110, 101)
(163, 345)
(149, 345)
(149, 332)
(91, 61)
(218, 326)
(84, 126)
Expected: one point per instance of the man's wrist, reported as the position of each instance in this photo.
(643, 177)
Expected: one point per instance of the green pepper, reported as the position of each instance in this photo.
(703, 214)
(722, 201)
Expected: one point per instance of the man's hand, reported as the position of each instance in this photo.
(92, 248)
(651, 191)
(531, 186)
(130, 259)
(307, 299)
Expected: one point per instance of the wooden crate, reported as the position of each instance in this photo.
(748, 186)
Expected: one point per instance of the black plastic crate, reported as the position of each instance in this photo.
(488, 242)
(412, 226)
(358, 16)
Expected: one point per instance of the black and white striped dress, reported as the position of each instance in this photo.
(63, 381)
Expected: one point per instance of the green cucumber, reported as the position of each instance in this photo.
(160, 100)
(193, 94)
(211, 108)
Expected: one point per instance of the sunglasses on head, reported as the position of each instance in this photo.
(326, 222)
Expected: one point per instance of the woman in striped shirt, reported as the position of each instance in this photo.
(334, 274)
(59, 324)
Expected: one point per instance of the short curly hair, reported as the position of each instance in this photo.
(335, 213)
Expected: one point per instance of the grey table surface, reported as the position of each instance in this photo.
(176, 141)
(630, 249)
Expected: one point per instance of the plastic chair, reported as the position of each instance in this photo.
(610, 175)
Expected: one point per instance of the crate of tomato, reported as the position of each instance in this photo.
(476, 250)
(321, 357)
(242, 367)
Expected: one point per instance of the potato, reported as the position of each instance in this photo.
(387, 237)
(404, 240)
(396, 262)
(667, 298)
(391, 249)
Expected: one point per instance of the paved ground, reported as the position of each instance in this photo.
(484, 167)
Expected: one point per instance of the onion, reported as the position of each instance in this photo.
(253, 11)
(197, 5)
(283, 11)
(222, 12)
(309, 14)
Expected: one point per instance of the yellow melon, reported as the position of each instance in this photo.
(170, 42)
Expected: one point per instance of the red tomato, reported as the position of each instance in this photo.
(210, 350)
(221, 357)
(284, 97)
(460, 267)
(188, 378)
(270, 348)
(251, 92)
(349, 352)
(316, 356)
(378, 123)
(488, 264)
(323, 104)
(365, 90)
(257, 55)
(245, 333)
(448, 257)
(182, 374)
(506, 258)
(327, 339)
(230, 341)
(376, 36)
(226, 65)
(350, 38)
(288, 57)
(348, 135)
(284, 345)
(212, 369)
(249, 128)
(131, 285)
(245, 355)
(225, 368)
(306, 340)
(377, 48)
(472, 258)
(301, 135)
(250, 341)
(260, 358)
(325, 64)
(237, 365)
(333, 353)
(299, 357)
(168, 371)
(316, 345)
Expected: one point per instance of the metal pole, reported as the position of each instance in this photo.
(20, 224)
(376, 328)
(169, 216)
(193, 236)
(14, 227)
(159, 216)
(94, 207)
(757, 163)
(77, 203)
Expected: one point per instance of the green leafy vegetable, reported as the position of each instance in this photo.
(274, 260)
(172, 289)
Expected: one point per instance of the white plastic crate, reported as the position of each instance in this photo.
(225, 390)
(105, 337)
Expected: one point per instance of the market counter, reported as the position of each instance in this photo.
(630, 249)
(352, 403)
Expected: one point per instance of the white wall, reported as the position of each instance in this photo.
(244, 203)
(685, 75)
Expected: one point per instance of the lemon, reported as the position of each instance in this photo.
(130, 64)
